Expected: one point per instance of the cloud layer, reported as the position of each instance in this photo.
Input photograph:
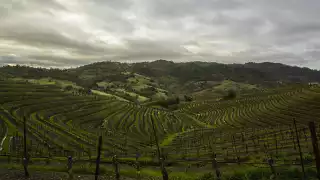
(59, 33)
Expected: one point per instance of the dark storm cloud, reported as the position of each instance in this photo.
(12, 60)
(65, 33)
(60, 60)
(45, 38)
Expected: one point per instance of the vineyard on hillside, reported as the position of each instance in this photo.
(61, 120)
(247, 130)
(278, 106)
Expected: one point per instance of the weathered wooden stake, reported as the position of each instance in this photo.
(293, 141)
(25, 159)
(156, 139)
(161, 160)
(98, 158)
(271, 162)
(215, 166)
(70, 162)
(126, 144)
(298, 141)
(276, 141)
(138, 166)
(235, 149)
(315, 146)
(116, 166)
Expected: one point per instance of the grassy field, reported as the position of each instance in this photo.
(248, 128)
(218, 89)
(133, 88)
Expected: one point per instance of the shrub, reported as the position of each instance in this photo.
(232, 94)
(188, 98)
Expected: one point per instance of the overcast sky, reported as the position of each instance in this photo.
(64, 33)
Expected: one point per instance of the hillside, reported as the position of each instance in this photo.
(65, 116)
(60, 122)
(162, 80)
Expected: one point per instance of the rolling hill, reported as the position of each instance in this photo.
(158, 80)
(137, 107)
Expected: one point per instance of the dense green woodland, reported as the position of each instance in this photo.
(241, 113)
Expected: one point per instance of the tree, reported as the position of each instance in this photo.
(187, 98)
(232, 94)
(68, 88)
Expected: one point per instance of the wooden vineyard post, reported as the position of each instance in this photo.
(215, 166)
(163, 170)
(271, 162)
(126, 144)
(138, 166)
(25, 158)
(70, 161)
(116, 166)
(98, 158)
(244, 141)
(235, 150)
(151, 141)
(161, 160)
(254, 136)
(11, 148)
(156, 139)
(305, 136)
(299, 147)
(89, 154)
(276, 141)
(293, 141)
(315, 146)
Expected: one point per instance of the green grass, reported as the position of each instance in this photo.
(169, 139)
(49, 81)
(108, 95)
(218, 90)
(241, 173)
(227, 84)
(132, 94)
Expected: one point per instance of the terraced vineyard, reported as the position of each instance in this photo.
(59, 121)
(265, 109)
(247, 127)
